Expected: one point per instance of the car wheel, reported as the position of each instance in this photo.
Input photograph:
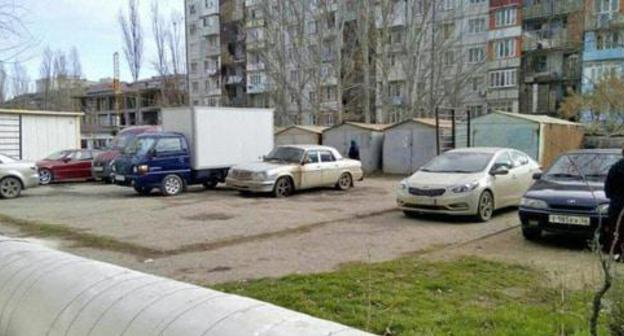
(531, 233)
(283, 187)
(143, 191)
(172, 185)
(486, 206)
(45, 176)
(345, 182)
(210, 185)
(10, 187)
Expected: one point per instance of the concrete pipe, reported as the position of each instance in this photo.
(44, 292)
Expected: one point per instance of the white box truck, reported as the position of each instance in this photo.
(198, 145)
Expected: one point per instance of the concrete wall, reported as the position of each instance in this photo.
(370, 143)
(408, 147)
(48, 293)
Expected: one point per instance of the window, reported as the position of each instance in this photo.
(255, 79)
(607, 6)
(474, 2)
(608, 40)
(503, 78)
(475, 83)
(447, 30)
(327, 157)
(195, 86)
(519, 159)
(476, 25)
(447, 4)
(505, 17)
(312, 157)
(166, 145)
(475, 110)
(476, 55)
(449, 58)
(503, 160)
(504, 48)
(598, 72)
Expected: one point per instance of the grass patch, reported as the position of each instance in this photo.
(79, 239)
(413, 297)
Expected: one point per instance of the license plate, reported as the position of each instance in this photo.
(571, 220)
(98, 169)
(120, 178)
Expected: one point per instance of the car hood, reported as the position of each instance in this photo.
(257, 167)
(17, 165)
(441, 180)
(107, 156)
(561, 192)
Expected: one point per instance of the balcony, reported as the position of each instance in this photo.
(398, 100)
(253, 23)
(255, 66)
(210, 30)
(234, 80)
(551, 8)
(212, 50)
(548, 39)
(211, 71)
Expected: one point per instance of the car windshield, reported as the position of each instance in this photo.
(122, 140)
(6, 159)
(57, 156)
(286, 154)
(463, 163)
(579, 166)
(140, 146)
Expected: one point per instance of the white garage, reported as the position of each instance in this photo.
(33, 135)
(300, 135)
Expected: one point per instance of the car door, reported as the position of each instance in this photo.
(524, 173)
(82, 164)
(504, 186)
(311, 171)
(170, 155)
(68, 166)
(330, 168)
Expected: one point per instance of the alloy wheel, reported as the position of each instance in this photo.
(344, 182)
(10, 187)
(172, 185)
(45, 176)
(283, 187)
(486, 206)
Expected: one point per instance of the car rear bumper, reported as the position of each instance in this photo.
(248, 185)
(101, 172)
(458, 204)
(539, 219)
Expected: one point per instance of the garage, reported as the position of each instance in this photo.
(368, 137)
(33, 135)
(300, 135)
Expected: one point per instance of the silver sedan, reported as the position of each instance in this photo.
(16, 176)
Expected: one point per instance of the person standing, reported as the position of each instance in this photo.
(354, 151)
(614, 190)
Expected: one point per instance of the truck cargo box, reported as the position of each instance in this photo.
(221, 137)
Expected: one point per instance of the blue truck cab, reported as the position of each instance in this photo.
(162, 161)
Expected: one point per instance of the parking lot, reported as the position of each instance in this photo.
(218, 235)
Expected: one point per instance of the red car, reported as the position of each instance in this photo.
(66, 165)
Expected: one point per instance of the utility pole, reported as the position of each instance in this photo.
(117, 90)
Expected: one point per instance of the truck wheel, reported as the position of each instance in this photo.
(10, 187)
(344, 182)
(283, 187)
(172, 185)
(143, 190)
(210, 184)
(531, 234)
(45, 176)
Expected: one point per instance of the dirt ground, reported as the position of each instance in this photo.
(218, 236)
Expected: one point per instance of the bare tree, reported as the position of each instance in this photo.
(175, 44)
(15, 35)
(75, 64)
(132, 32)
(46, 75)
(20, 81)
(160, 33)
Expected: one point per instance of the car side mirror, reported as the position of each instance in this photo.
(501, 170)
(537, 176)
(153, 152)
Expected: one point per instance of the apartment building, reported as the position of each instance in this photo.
(504, 54)
(106, 112)
(552, 52)
(603, 54)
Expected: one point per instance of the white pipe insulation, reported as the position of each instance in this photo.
(44, 292)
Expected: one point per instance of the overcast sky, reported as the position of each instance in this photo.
(92, 26)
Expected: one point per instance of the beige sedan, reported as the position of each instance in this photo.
(296, 167)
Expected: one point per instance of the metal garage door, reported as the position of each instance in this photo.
(10, 139)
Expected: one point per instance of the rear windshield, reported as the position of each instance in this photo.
(458, 163)
(579, 166)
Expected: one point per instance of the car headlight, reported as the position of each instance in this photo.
(603, 209)
(533, 203)
(403, 185)
(464, 188)
(259, 176)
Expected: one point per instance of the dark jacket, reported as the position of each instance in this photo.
(354, 152)
(614, 188)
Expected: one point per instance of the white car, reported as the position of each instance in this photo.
(16, 176)
(470, 181)
(295, 167)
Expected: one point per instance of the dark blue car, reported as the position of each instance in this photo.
(569, 197)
